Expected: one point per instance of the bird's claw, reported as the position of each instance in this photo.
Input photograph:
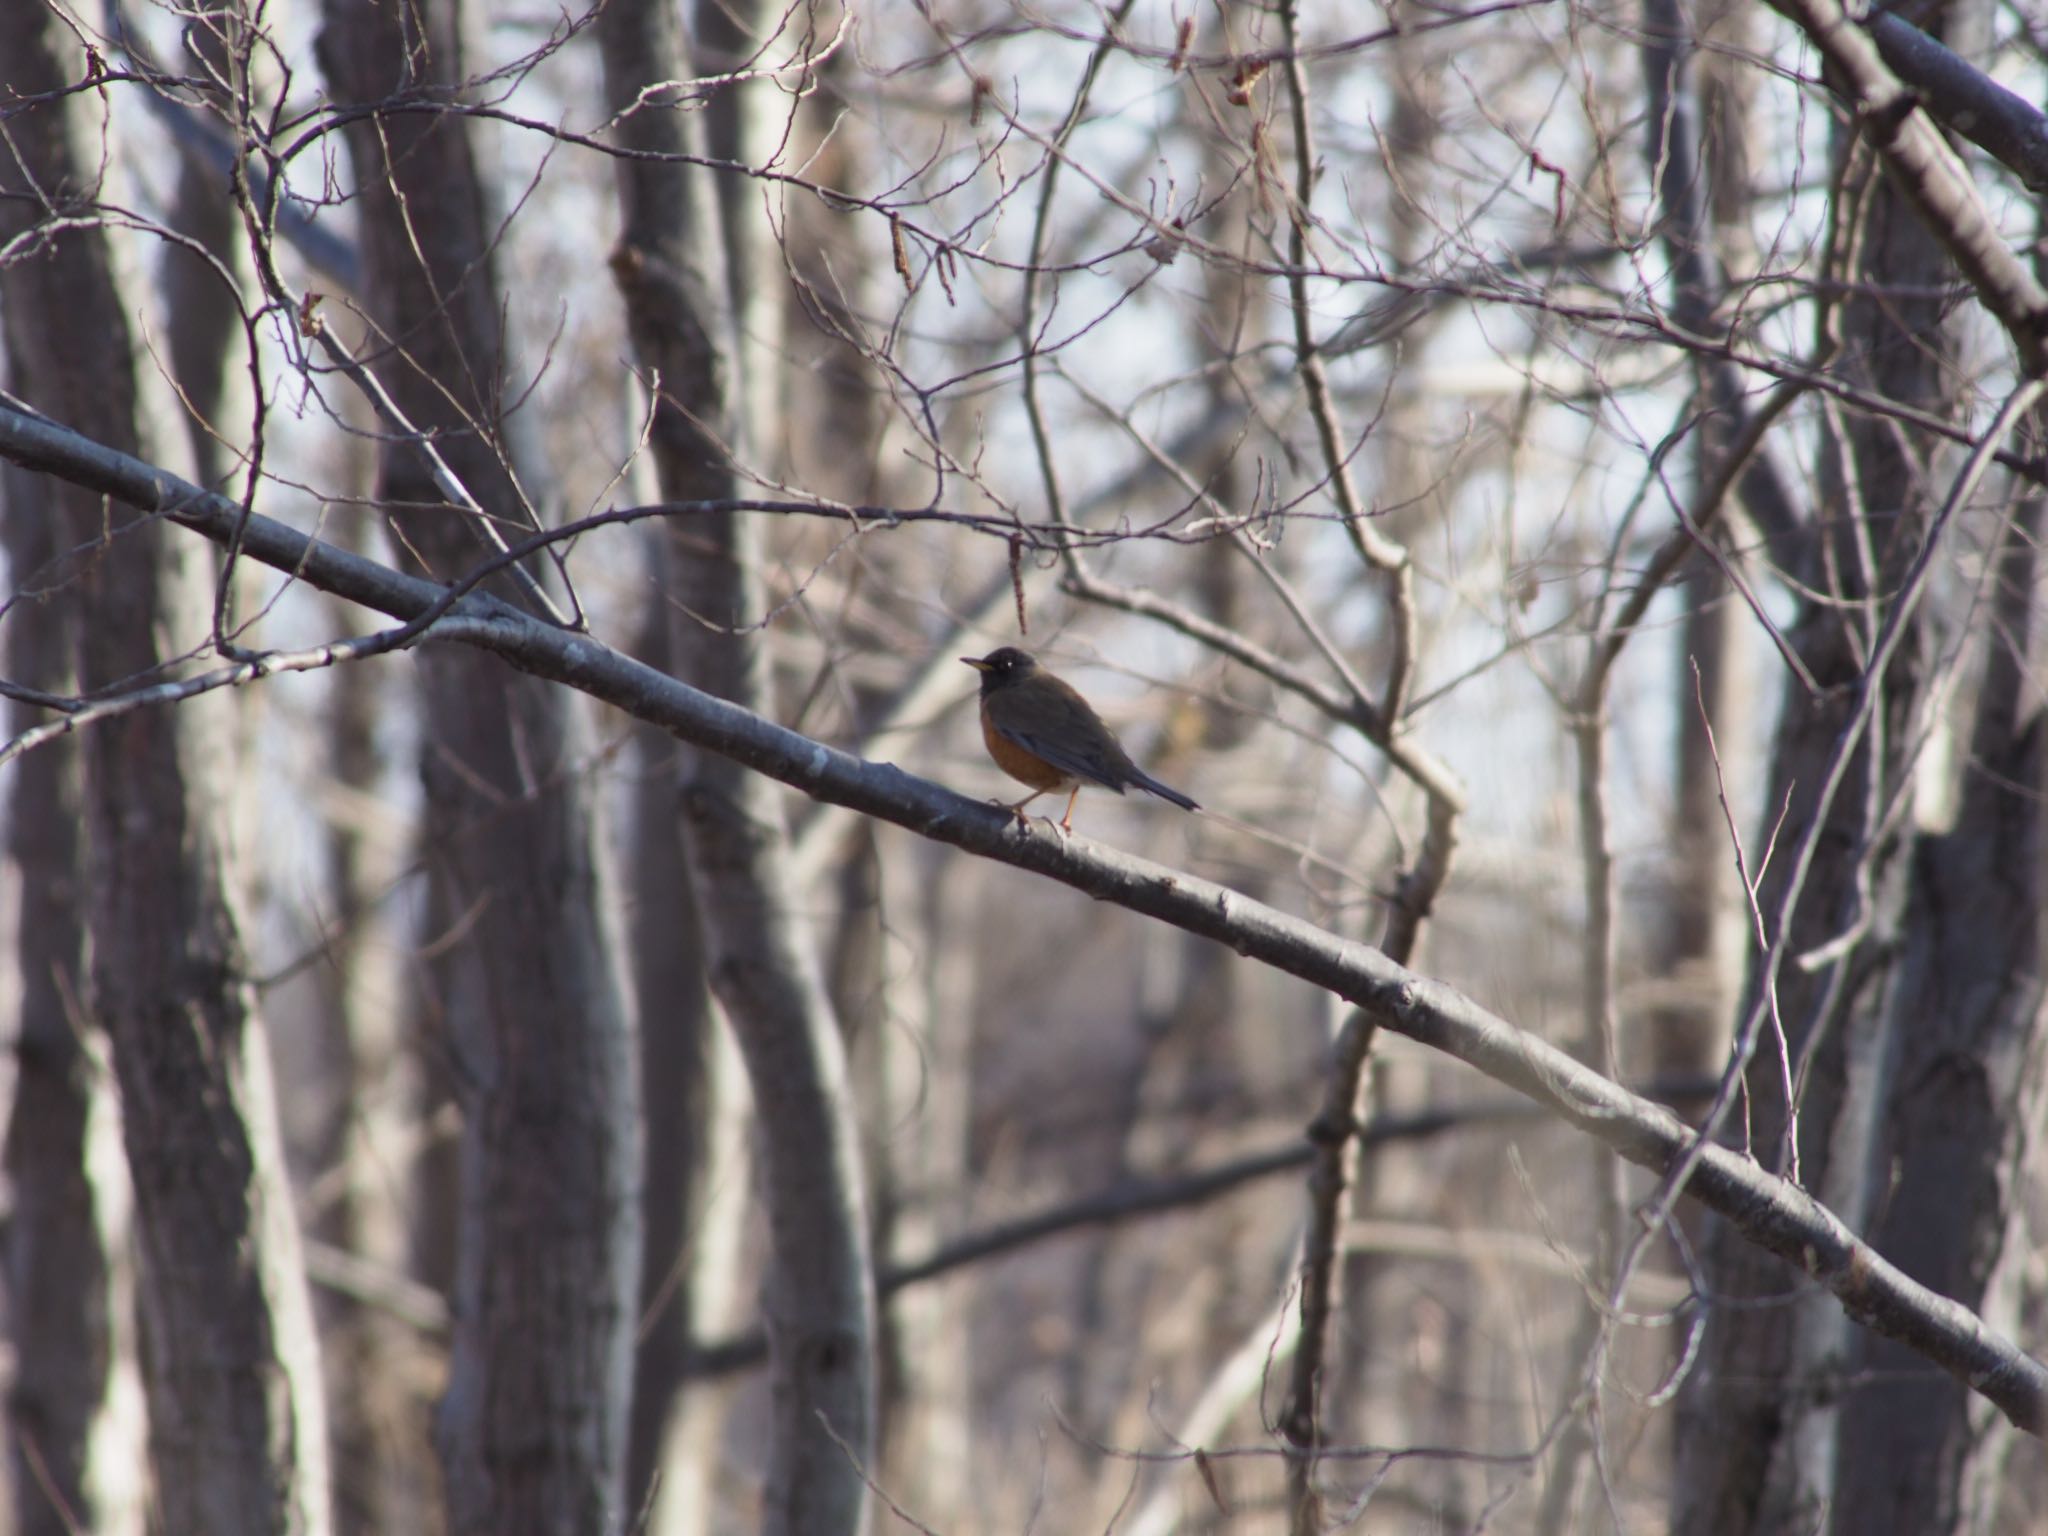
(1023, 817)
(1063, 832)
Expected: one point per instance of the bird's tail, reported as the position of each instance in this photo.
(1150, 785)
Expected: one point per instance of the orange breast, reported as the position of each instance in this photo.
(1023, 766)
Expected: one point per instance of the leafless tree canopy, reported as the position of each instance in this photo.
(526, 1017)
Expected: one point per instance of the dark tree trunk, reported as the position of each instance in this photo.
(1758, 1434)
(1919, 1451)
(232, 1373)
(533, 1427)
(67, 1300)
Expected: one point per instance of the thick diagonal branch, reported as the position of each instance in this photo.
(1768, 1211)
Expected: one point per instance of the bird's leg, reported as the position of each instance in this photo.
(1067, 821)
(1017, 810)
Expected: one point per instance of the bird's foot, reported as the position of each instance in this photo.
(1023, 817)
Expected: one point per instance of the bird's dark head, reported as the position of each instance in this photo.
(999, 668)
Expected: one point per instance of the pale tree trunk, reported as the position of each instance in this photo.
(818, 1296)
(909, 1051)
(1384, 562)
(1188, 994)
(696, 1177)
(367, 1128)
(1757, 1436)
(1101, 1146)
(231, 1366)
(922, 1057)
(533, 1427)
(199, 309)
(69, 1286)
(1691, 944)
(1371, 1393)
(1697, 147)
(1697, 944)
(381, 1155)
(818, 1301)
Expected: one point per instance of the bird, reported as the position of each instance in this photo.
(1044, 734)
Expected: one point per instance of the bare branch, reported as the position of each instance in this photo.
(1966, 100)
(1933, 178)
(1769, 1212)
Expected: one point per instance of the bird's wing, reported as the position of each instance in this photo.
(1069, 720)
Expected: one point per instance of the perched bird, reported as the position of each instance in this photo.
(1042, 733)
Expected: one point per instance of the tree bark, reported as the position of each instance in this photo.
(238, 1438)
(696, 1176)
(763, 968)
(1963, 1112)
(199, 307)
(1696, 151)
(1758, 1434)
(370, 1117)
(69, 1288)
(924, 1095)
(533, 1428)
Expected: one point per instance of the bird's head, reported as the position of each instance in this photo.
(999, 667)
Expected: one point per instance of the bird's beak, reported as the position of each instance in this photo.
(975, 662)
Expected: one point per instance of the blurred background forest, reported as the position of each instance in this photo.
(1558, 481)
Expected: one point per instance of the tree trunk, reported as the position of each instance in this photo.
(921, 1056)
(69, 1289)
(238, 1438)
(533, 1427)
(199, 307)
(819, 1301)
(696, 1176)
(1919, 1451)
(367, 1085)
(1758, 1435)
